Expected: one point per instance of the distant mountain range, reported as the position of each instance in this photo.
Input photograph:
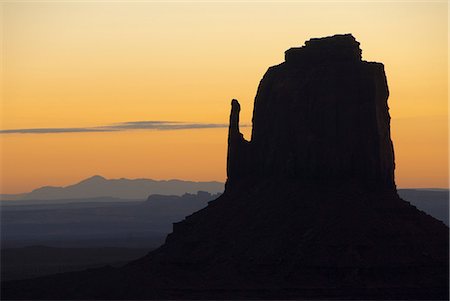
(98, 189)
(98, 186)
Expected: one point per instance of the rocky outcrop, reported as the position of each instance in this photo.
(238, 160)
(310, 208)
(320, 116)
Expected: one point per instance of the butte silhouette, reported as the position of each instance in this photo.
(310, 208)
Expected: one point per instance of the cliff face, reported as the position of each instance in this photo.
(322, 115)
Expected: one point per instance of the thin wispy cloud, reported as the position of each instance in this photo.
(120, 127)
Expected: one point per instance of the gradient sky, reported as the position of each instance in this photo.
(91, 65)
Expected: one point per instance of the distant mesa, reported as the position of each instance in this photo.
(98, 186)
(310, 209)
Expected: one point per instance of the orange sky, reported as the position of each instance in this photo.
(87, 64)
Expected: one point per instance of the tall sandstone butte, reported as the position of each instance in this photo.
(310, 208)
(322, 115)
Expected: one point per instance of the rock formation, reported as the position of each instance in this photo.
(320, 115)
(310, 208)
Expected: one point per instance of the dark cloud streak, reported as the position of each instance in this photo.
(120, 127)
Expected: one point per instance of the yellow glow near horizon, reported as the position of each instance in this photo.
(75, 64)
